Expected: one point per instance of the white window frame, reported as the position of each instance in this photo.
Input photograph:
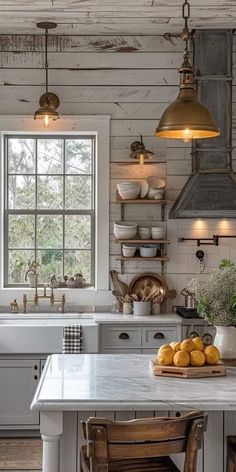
(99, 125)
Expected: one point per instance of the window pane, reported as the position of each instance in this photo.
(50, 156)
(78, 261)
(78, 192)
(78, 156)
(21, 156)
(50, 263)
(18, 265)
(50, 192)
(49, 231)
(21, 191)
(21, 231)
(78, 231)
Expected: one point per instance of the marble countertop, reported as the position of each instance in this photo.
(104, 318)
(97, 318)
(113, 318)
(124, 382)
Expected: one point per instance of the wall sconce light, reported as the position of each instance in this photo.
(49, 101)
(187, 118)
(139, 152)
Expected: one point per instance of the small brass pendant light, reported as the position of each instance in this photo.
(49, 101)
(139, 152)
(187, 118)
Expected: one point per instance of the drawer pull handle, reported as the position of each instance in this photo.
(159, 336)
(207, 338)
(35, 367)
(193, 334)
(35, 377)
(123, 336)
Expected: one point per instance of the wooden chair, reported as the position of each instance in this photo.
(143, 444)
(231, 454)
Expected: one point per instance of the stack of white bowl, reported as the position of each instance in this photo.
(128, 251)
(129, 190)
(156, 188)
(144, 232)
(157, 232)
(123, 230)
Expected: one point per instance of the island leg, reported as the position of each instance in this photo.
(51, 431)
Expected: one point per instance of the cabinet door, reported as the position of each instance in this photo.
(18, 381)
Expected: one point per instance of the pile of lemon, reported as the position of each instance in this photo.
(188, 352)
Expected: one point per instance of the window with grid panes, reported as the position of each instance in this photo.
(49, 212)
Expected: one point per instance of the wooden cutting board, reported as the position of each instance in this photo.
(187, 372)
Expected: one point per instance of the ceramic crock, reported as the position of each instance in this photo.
(225, 341)
(141, 308)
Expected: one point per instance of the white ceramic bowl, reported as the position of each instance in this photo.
(157, 233)
(148, 251)
(124, 224)
(125, 232)
(144, 232)
(130, 194)
(154, 194)
(144, 189)
(155, 182)
(128, 251)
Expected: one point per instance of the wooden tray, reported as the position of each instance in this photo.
(187, 372)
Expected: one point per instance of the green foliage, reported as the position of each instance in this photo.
(216, 297)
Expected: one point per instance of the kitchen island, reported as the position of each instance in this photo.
(73, 387)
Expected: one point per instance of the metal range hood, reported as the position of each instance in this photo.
(210, 191)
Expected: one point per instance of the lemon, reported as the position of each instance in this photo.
(175, 346)
(164, 346)
(198, 343)
(181, 359)
(212, 354)
(187, 345)
(197, 358)
(165, 357)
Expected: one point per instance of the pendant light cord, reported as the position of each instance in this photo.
(46, 58)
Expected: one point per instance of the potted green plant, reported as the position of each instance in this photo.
(216, 302)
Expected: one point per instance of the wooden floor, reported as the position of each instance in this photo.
(20, 454)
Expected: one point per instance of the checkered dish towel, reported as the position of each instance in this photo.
(72, 339)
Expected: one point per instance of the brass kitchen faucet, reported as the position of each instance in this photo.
(37, 297)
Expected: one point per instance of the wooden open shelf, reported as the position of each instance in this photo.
(140, 200)
(142, 241)
(139, 258)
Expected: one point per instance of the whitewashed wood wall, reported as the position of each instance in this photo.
(132, 78)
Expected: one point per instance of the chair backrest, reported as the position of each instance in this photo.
(148, 437)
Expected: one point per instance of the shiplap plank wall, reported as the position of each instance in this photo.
(132, 78)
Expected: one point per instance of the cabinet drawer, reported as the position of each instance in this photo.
(155, 336)
(121, 336)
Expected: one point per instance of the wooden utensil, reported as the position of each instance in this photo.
(118, 285)
(145, 293)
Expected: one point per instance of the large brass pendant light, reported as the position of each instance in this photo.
(186, 118)
(49, 101)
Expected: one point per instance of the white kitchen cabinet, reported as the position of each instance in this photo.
(18, 381)
(136, 339)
